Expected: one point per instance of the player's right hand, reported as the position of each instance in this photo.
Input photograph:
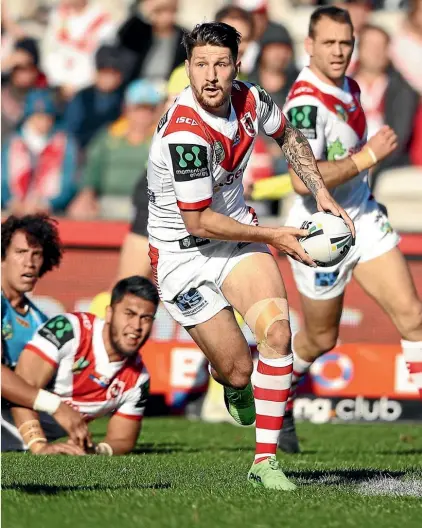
(285, 239)
(61, 449)
(74, 425)
(383, 143)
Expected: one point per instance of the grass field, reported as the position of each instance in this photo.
(187, 474)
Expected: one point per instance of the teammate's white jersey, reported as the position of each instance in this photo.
(333, 121)
(197, 160)
(85, 378)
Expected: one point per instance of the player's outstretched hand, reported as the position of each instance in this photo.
(61, 449)
(74, 425)
(285, 239)
(326, 203)
(383, 143)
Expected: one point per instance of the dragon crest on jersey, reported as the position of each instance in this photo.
(248, 125)
(190, 162)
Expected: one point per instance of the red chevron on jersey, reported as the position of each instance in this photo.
(355, 114)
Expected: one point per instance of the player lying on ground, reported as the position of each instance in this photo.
(17, 391)
(325, 105)
(208, 253)
(30, 248)
(95, 366)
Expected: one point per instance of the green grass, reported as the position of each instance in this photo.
(191, 474)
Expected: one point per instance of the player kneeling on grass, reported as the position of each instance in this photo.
(94, 366)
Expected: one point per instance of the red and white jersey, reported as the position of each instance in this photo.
(333, 121)
(85, 378)
(198, 160)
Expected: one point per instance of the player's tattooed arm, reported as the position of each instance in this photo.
(299, 154)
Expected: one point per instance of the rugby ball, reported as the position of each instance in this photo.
(329, 239)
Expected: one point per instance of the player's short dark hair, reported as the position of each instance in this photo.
(136, 285)
(333, 13)
(213, 34)
(236, 13)
(40, 230)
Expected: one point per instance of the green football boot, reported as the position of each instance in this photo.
(268, 474)
(241, 404)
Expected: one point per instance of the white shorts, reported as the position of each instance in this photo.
(190, 283)
(374, 237)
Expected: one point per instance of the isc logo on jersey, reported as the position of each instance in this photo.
(187, 120)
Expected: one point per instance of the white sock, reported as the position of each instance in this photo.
(300, 368)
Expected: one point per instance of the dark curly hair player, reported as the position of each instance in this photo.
(31, 247)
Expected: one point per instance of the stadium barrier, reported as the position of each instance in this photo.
(364, 378)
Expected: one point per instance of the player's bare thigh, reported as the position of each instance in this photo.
(320, 327)
(134, 258)
(254, 279)
(387, 279)
(226, 348)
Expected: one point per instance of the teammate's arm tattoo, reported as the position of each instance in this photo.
(299, 154)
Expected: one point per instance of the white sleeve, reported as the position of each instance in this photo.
(135, 399)
(188, 159)
(307, 114)
(55, 338)
(270, 117)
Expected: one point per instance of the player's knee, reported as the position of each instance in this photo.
(240, 375)
(324, 340)
(409, 319)
(278, 340)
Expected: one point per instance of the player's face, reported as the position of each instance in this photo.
(22, 264)
(331, 48)
(211, 71)
(130, 323)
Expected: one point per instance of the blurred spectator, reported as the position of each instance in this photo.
(406, 49)
(24, 76)
(155, 38)
(274, 71)
(117, 155)
(265, 31)
(75, 31)
(242, 21)
(383, 92)
(359, 11)
(39, 162)
(100, 104)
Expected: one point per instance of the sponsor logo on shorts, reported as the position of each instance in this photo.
(305, 119)
(190, 162)
(193, 241)
(325, 279)
(190, 302)
(151, 196)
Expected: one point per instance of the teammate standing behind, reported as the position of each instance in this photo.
(324, 104)
(208, 253)
(95, 366)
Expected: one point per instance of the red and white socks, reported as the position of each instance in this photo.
(272, 381)
(412, 351)
(300, 368)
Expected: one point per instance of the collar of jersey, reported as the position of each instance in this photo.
(308, 75)
(215, 121)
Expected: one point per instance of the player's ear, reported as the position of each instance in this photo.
(108, 314)
(309, 46)
(237, 68)
(187, 68)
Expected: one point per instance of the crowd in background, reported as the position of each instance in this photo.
(84, 84)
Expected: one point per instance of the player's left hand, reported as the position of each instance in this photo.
(326, 203)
